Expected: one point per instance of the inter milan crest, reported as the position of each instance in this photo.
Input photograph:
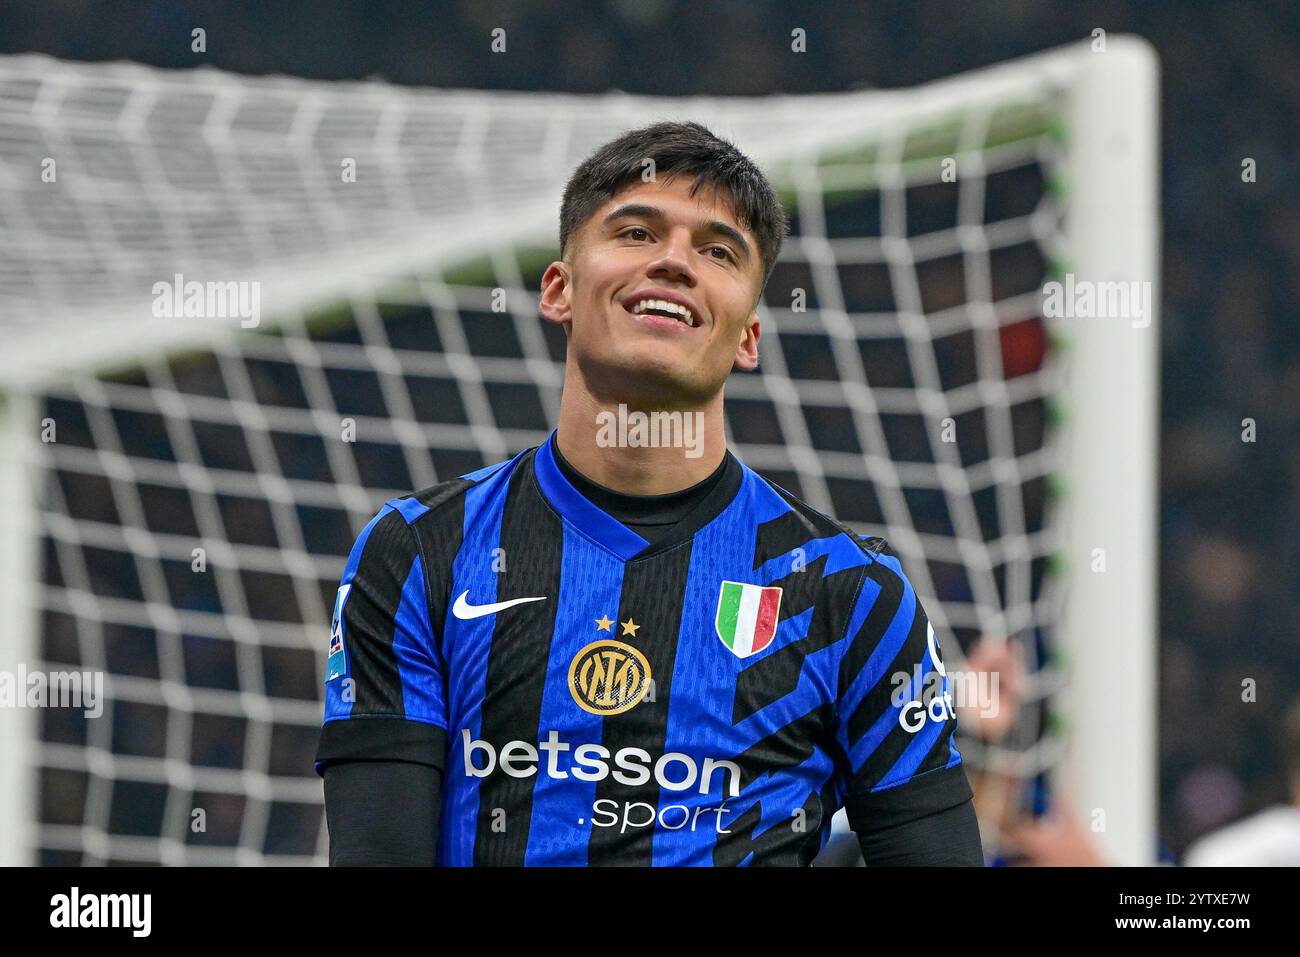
(746, 617)
(336, 665)
(609, 677)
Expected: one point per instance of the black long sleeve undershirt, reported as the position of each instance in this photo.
(383, 813)
(947, 838)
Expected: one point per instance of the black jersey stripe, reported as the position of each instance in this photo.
(440, 532)
(653, 592)
(829, 804)
(783, 534)
(435, 495)
(381, 573)
(532, 543)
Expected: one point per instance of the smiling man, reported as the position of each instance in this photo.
(623, 646)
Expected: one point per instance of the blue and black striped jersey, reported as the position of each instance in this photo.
(712, 698)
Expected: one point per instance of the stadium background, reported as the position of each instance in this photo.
(1230, 346)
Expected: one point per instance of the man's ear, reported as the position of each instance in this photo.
(747, 350)
(557, 288)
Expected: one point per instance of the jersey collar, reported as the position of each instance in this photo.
(608, 531)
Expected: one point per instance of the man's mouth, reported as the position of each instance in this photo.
(665, 310)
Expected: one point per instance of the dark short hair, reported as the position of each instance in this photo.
(678, 149)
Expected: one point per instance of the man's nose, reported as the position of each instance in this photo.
(674, 258)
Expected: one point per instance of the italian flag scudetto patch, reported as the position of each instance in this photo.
(746, 619)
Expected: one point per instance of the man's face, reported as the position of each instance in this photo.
(652, 244)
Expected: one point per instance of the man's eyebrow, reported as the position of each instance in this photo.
(716, 226)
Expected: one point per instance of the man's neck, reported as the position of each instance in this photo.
(597, 437)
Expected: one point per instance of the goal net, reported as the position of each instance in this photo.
(184, 472)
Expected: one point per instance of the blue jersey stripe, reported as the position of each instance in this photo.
(410, 508)
(417, 665)
(466, 648)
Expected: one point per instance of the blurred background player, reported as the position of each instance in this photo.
(1268, 838)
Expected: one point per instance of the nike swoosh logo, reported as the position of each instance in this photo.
(465, 611)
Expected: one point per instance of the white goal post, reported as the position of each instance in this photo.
(383, 228)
